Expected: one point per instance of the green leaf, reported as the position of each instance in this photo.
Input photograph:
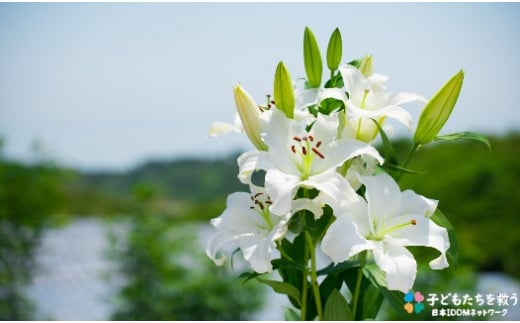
(329, 105)
(356, 63)
(312, 58)
(285, 263)
(464, 135)
(282, 288)
(388, 149)
(334, 50)
(283, 91)
(337, 308)
(291, 315)
(247, 276)
(330, 269)
(438, 110)
(404, 170)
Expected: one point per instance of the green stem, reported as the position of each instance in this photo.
(303, 312)
(314, 276)
(355, 297)
(407, 160)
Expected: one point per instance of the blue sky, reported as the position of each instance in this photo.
(112, 85)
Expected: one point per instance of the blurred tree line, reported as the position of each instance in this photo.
(478, 192)
(29, 195)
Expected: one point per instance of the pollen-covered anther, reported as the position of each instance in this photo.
(318, 144)
(413, 222)
(298, 139)
(311, 138)
(317, 152)
(293, 149)
(304, 150)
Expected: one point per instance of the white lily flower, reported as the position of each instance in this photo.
(387, 222)
(247, 223)
(368, 100)
(299, 158)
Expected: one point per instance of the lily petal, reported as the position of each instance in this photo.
(251, 161)
(398, 264)
(424, 233)
(342, 240)
(258, 252)
(341, 150)
(308, 204)
(215, 243)
(383, 197)
(281, 187)
(399, 98)
(415, 204)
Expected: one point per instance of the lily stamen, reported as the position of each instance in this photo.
(380, 235)
(317, 152)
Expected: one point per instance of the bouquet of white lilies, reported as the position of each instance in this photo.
(318, 185)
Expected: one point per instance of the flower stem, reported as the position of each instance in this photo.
(314, 277)
(355, 297)
(303, 311)
(407, 160)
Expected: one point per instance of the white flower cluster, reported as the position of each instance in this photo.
(328, 152)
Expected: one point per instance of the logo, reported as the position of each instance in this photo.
(416, 307)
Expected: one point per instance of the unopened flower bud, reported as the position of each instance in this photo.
(438, 110)
(249, 115)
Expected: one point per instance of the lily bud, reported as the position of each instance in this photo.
(249, 115)
(438, 110)
(284, 91)
(312, 59)
(365, 66)
(334, 50)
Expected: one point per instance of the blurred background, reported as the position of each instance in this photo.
(108, 178)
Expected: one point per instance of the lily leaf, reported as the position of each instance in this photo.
(312, 59)
(404, 170)
(388, 149)
(334, 50)
(329, 105)
(337, 268)
(464, 135)
(283, 91)
(337, 308)
(282, 288)
(247, 276)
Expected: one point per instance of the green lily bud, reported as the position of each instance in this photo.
(438, 110)
(284, 91)
(312, 58)
(334, 50)
(365, 66)
(249, 115)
